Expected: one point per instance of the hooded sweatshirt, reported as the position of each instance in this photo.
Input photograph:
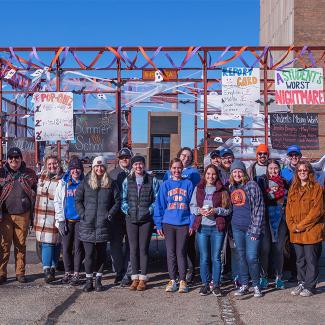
(173, 203)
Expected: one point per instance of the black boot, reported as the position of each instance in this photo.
(52, 271)
(48, 276)
(98, 284)
(89, 285)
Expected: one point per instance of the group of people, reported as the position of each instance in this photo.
(238, 217)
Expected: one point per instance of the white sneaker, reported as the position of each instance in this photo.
(296, 291)
(243, 290)
(171, 286)
(306, 293)
(257, 292)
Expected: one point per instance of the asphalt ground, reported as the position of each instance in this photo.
(38, 303)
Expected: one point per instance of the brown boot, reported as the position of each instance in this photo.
(142, 285)
(135, 282)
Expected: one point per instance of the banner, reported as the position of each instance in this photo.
(95, 133)
(53, 116)
(299, 86)
(287, 129)
(240, 91)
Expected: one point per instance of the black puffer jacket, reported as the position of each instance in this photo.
(94, 207)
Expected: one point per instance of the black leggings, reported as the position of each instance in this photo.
(139, 236)
(191, 254)
(94, 252)
(176, 238)
(73, 252)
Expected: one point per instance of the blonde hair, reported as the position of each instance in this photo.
(55, 157)
(243, 182)
(105, 181)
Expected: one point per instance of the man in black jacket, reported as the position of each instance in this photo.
(17, 198)
(121, 262)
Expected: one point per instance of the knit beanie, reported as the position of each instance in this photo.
(262, 148)
(237, 164)
(99, 161)
(75, 163)
(138, 158)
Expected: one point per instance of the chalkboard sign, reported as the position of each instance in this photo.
(27, 147)
(294, 128)
(94, 133)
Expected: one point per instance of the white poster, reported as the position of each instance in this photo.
(299, 86)
(240, 91)
(53, 116)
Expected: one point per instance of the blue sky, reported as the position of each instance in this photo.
(131, 22)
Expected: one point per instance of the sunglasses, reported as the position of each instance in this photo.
(262, 154)
(294, 155)
(124, 158)
(302, 170)
(14, 157)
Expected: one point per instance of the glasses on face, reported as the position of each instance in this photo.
(14, 158)
(262, 154)
(294, 155)
(302, 170)
(229, 158)
(124, 158)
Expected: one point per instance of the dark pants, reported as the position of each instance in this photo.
(139, 239)
(248, 252)
(73, 251)
(120, 260)
(191, 254)
(176, 238)
(307, 264)
(273, 251)
(94, 253)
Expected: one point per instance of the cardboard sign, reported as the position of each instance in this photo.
(95, 133)
(294, 128)
(240, 91)
(299, 86)
(53, 116)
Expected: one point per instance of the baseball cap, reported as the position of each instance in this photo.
(215, 153)
(125, 152)
(99, 161)
(294, 148)
(14, 152)
(226, 151)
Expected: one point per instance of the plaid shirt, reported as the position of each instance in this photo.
(256, 203)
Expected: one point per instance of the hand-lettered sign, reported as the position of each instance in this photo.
(53, 116)
(299, 86)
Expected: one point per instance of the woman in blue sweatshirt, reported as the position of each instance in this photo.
(68, 220)
(174, 220)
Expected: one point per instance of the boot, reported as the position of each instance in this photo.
(135, 282)
(48, 277)
(52, 271)
(98, 284)
(142, 282)
(89, 285)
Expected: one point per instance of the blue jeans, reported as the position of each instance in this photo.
(210, 242)
(50, 255)
(248, 253)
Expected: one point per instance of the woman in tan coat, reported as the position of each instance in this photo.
(305, 220)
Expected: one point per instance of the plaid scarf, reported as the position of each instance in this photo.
(281, 189)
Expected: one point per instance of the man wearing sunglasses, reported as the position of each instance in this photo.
(121, 262)
(258, 168)
(17, 197)
(294, 156)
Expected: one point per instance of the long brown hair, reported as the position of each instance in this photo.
(296, 183)
(203, 180)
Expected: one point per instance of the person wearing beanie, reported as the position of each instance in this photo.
(121, 255)
(68, 221)
(247, 226)
(294, 156)
(97, 204)
(274, 189)
(139, 192)
(258, 168)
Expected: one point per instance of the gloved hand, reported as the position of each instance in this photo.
(62, 228)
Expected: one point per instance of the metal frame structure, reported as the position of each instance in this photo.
(123, 64)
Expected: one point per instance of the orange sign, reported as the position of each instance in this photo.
(149, 74)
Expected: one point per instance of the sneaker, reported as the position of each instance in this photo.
(118, 279)
(264, 283)
(189, 277)
(98, 284)
(306, 293)
(126, 282)
(296, 291)
(3, 279)
(171, 286)
(257, 292)
(211, 285)
(279, 284)
(205, 290)
(237, 284)
(75, 280)
(182, 287)
(89, 286)
(66, 278)
(217, 292)
(243, 290)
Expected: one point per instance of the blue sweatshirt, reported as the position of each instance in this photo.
(70, 211)
(173, 203)
(190, 173)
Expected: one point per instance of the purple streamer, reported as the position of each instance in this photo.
(271, 60)
(311, 58)
(292, 61)
(126, 57)
(190, 56)
(243, 61)
(170, 60)
(37, 57)
(258, 60)
(12, 52)
(153, 57)
(222, 54)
